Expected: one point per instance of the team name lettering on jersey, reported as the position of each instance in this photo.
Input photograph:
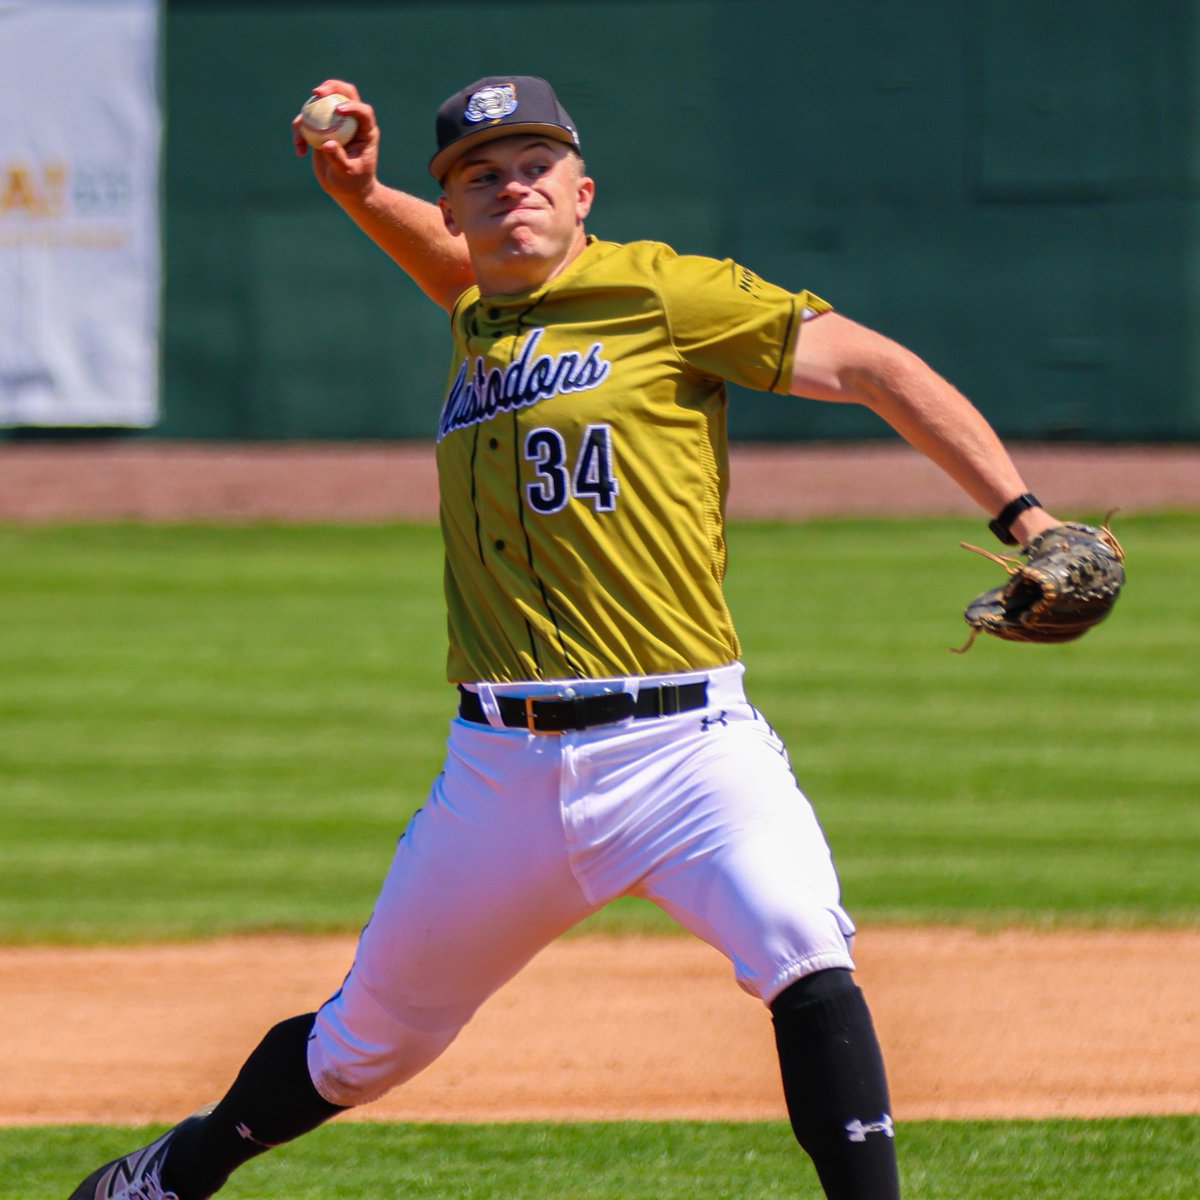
(478, 393)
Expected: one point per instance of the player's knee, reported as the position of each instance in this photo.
(354, 1059)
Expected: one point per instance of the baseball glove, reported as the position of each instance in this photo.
(1069, 582)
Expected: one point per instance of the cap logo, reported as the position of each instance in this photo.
(492, 103)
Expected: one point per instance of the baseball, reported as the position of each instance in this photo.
(320, 120)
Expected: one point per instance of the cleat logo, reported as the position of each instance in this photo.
(125, 1174)
(133, 1177)
(857, 1130)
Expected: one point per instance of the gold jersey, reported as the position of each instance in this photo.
(583, 462)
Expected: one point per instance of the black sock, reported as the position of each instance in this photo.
(271, 1102)
(835, 1086)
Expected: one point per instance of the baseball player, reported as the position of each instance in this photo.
(602, 744)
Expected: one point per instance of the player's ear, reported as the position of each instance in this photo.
(448, 216)
(585, 193)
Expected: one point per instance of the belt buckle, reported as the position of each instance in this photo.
(530, 718)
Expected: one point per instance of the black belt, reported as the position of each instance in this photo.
(558, 714)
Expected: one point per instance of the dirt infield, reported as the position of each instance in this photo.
(974, 1025)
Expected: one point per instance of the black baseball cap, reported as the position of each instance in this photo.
(494, 107)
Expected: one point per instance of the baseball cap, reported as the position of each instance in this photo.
(494, 107)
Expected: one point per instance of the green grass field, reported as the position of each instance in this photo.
(213, 729)
(217, 729)
(1126, 1159)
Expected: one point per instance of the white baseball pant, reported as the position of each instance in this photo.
(525, 834)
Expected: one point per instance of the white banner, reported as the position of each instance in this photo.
(79, 238)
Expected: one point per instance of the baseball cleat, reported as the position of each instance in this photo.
(138, 1174)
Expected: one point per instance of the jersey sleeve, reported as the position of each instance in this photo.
(727, 322)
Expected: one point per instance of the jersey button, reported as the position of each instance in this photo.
(499, 543)
(495, 445)
(493, 314)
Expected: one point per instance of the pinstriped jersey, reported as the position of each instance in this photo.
(583, 462)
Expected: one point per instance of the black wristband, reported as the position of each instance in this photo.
(1002, 525)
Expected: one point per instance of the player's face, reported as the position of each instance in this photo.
(520, 203)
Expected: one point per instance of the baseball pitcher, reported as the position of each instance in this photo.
(601, 742)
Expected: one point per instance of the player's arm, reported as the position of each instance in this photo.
(408, 229)
(839, 360)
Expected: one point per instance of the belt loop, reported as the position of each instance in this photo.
(487, 701)
(666, 709)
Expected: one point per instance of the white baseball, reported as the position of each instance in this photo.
(320, 120)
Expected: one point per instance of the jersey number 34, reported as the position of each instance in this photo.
(591, 477)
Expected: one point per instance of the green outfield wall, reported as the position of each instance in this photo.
(1010, 187)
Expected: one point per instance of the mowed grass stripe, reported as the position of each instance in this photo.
(1125, 1159)
(209, 729)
